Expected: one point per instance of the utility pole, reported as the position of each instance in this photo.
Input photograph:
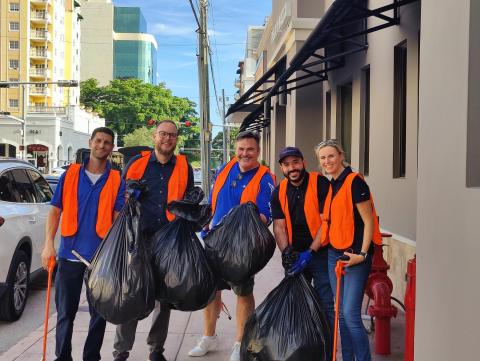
(205, 127)
(225, 130)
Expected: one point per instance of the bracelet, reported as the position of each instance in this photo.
(364, 254)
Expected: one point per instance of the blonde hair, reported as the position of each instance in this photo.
(334, 144)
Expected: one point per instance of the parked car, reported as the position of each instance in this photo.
(24, 205)
(60, 170)
(52, 180)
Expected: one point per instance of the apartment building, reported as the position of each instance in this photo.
(398, 83)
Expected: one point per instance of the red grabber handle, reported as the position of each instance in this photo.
(338, 273)
(51, 266)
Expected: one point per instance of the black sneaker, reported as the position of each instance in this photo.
(121, 357)
(156, 356)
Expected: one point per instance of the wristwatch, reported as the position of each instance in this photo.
(364, 254)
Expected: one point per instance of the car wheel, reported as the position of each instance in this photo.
(15, 299)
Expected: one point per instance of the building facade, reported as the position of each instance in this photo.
(40, 42)
(120, 35)
(406, 109)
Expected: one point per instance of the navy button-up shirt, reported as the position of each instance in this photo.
(154, 204)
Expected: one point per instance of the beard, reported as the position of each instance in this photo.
(165, 152)
(300, 178)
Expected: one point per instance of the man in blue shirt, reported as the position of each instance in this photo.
(234, 179)
(83, 193)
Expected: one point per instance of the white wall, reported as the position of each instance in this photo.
(448, 294)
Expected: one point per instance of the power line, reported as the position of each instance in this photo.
(195, 13)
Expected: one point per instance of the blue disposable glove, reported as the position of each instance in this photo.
(303, 260)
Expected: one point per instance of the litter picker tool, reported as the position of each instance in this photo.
(339, 272)
(51, 266)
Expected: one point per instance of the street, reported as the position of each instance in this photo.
(32, 318)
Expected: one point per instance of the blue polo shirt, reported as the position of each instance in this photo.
(86, 240)
(231, 192)
(154, 204)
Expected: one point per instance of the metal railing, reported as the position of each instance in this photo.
(40, 16)
(40, 34)
(40, 53)
(39, 91)
(45, 109)
(39, 72)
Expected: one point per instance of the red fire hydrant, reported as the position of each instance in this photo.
(379, 288)
(410, 309)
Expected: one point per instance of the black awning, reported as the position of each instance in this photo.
(340, 32)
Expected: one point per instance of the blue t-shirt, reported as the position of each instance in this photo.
(231, 192)
(86, 240)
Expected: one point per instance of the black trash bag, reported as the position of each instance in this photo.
(120, 279)
(240, 245)
(183, 277)
(189, 208)
(289, 325)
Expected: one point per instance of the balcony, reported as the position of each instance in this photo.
(40, 17)
(238, 83)
(40, 2)
(39, 91)
(42, 109)
(39, 73)
(41, 35)
(40, 54)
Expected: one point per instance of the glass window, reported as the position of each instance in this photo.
(400, 110)
(8, 192)
(14, 44)
(15, 7)
(42, 189)
(13, 103)
(14, 26)
(23, 186)
(13, 80)
(365, 122)
(344, 119)
(13, 64)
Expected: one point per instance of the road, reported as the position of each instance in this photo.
(32, 318)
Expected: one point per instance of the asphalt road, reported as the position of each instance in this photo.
(33, 315)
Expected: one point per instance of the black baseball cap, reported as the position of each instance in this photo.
(288, 152)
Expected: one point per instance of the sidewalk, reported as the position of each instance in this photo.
(185, 329)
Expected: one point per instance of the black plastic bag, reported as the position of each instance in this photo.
(289, 325)
(240, 246)
(183, 277)
(120, 279)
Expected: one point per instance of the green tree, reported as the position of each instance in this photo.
(127, 105)
(140, 136)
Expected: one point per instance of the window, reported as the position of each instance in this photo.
(14, 44)
(8, 193)
(24, 186)
(365, 122)
(328, 111)
(344, 119)
(13, 103)
(42, 189)
(14, 26)
(400, 110)
(13, 80)
(13, 64)
(15, 7)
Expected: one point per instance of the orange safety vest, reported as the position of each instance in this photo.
(106, 202)
(249, 193)
(177, 184)
(338, 224)
(312, 212)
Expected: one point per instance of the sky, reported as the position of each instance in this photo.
(173, 25)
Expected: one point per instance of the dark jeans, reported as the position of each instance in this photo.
(68, 288)
(318, 270)
(355, 344)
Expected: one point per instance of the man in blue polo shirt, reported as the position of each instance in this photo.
(83, 193)
(232, 180)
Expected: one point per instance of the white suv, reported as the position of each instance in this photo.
(24, 205)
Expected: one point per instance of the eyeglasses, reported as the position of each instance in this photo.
(328, 142)
(163, 134)
(235, 182)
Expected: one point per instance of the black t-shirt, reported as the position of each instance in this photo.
(360, 193)
(302, 239)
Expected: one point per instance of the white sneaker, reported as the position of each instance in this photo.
(235, 356)
(206, 343)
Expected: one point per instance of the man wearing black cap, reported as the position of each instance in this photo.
(297, 203)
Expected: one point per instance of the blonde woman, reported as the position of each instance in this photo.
(350, 227)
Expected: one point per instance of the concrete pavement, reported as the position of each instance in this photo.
(184, 331)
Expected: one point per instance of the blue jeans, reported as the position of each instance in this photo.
(355, 344)
(68, 287)
(318, 270)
